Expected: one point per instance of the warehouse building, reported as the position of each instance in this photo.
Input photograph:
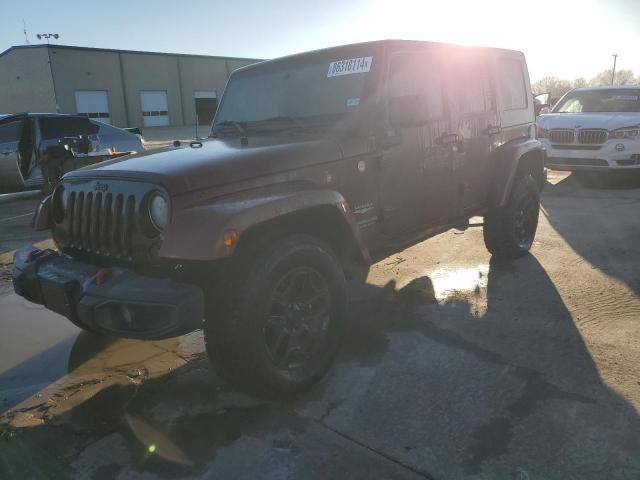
(121, 87)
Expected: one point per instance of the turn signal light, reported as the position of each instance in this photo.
(230, 238)
(101, 276)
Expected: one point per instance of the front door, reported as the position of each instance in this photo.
(473, 115)
(10, 136)
(416, 175)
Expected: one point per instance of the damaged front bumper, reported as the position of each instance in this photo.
(114, 301)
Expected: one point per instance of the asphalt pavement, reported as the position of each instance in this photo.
(455, 367)
(16, 214)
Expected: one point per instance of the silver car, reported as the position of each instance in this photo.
(37, 148)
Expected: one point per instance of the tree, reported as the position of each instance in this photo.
(623, 77)
(579, 82)
(553, 85)
(557, 87)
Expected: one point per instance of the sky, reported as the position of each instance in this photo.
(564, 38)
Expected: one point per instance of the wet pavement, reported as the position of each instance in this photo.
(455, 366)
(16, 214)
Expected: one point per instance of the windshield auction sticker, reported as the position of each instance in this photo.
(349, 66)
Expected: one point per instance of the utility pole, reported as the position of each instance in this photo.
(24, 30)
(613, 73)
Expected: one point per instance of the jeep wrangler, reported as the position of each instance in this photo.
(317, 165)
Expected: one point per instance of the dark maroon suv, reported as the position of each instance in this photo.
(318, 165)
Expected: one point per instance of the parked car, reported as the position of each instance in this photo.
(37, 148)
(593, 129)
(319, 164)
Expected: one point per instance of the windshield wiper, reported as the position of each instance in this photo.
(240, 127)
(286, 122)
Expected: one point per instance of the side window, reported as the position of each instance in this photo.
(469, 87)
(10, 131)
(417, 75)
(511, 86)
(59, 127)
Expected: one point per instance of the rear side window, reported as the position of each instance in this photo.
(58, 127)
(413, 74)
(469, 86)
(10, 132)
(511, 86)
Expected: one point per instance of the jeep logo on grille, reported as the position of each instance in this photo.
(101, 187)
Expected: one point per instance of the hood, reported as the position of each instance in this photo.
(607, 120)
(217, 162)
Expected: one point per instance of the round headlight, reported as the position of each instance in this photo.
(159, 211)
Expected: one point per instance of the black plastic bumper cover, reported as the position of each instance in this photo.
(113, 301)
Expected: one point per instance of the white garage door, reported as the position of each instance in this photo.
(94, 104)
(155, 110)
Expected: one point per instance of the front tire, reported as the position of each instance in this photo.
(279, 327)
(509, 230)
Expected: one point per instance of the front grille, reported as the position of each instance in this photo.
(575, 146)
(106, 221)
(593, 137)
(101, 223)
(561, 135)
(575, 162)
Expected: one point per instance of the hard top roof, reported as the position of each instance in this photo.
(373, 45)
(608, 87)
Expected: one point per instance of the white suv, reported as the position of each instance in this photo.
(593, 129)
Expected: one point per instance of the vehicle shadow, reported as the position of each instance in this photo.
(598, 221)
(614, 181)
(527, 331)
(509, 344)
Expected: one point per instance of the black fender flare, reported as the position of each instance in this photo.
(507, 163)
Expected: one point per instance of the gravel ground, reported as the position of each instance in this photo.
(456, 367)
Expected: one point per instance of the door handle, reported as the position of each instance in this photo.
(492, 130)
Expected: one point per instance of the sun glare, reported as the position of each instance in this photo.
(536, 29)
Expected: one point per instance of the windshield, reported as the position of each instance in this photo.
(316, 88)
(615, 100)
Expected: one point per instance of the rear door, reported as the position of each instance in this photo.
(514, 97)
(415, 177)
(10, 135)
(474, 122)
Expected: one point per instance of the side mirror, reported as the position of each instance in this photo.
(406, 111)
(544, 110)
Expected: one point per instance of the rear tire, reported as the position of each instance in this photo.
(277, 327)
(509, 230)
